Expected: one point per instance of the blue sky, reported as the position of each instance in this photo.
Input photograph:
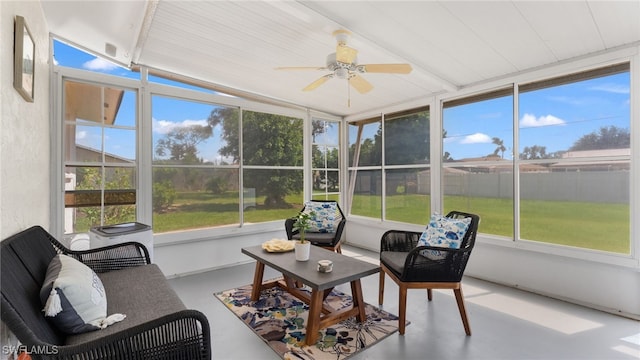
(554, 117)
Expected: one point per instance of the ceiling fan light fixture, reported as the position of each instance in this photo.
(342, 73)
(343, 64)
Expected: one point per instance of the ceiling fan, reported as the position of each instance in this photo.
(343, 64)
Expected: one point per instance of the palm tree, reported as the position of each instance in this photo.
(500, 149)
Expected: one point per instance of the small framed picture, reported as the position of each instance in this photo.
(23, 61)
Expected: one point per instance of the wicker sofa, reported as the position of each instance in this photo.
(157, 324)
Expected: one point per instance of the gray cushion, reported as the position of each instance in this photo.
(73, 296)
(394, 260)
(142, 293)
(317, 238)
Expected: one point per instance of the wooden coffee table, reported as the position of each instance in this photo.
(345, 269)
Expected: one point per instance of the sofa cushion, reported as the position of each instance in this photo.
(73, 296)
(141, 292)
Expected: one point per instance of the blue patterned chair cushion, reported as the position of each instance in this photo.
(324, 218)
(443, 232)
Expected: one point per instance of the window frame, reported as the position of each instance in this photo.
(630, 55)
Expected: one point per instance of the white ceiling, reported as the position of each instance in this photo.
(450, 44)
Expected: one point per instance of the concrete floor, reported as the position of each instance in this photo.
(506, 323)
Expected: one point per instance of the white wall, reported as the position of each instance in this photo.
(24, 133)
(24, 129)
(183, 258)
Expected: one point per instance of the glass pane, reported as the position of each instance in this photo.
(83, 143)
(369, 147)
(325, 157)
(278, 193)
(483, 191)
(367, 197)
(583, 205)
(325, 181)
(272, 140)
(193, 198)
(408, 195)
(325, 132)
(407, 139)
(68, 56)
(481, 130)
(189, 132)
(325, 160)
(119, 145)
(108, 106)
(97, 196)
(584, 118)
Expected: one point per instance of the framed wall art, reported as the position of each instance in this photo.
(23, 62)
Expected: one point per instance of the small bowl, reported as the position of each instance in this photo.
(325, 266)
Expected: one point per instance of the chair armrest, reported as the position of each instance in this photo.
(112, 257)
(399, 240)
(449, 265)
(288, 226)
(181, 335)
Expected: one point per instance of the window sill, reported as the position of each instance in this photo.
(215, 233)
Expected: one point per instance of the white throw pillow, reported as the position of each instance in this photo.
(74, 298)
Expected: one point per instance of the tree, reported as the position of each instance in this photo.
(407, 139)
(610, 137)
(163, 195)
(500, 146)
(407, 142)
(534, 152)
(181, 144)
(268, 140)
(91, 179)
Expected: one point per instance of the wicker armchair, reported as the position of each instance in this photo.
(330, 240)
(173, 334)
(410, 266)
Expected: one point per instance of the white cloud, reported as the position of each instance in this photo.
(99, 64)
(530, 120)
(164, 126)
(612, 88)
(477, 138)
(81, 135)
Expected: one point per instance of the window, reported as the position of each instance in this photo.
(477, 171)
(272, 158)
(575, 160)
(365, 160)
(205, 153)
(407, 176)
(401, 178)
(99, 155)
(69, 56)
(325, 173)
(195, 182)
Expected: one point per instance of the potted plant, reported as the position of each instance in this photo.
(302, 223)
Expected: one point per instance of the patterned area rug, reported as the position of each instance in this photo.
(279, 319)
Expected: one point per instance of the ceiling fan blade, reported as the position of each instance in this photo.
(386, 68)
(301, 68)
(345, 54)
(360, 84)
(318, 82)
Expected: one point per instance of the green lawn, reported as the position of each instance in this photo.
(595, 226)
